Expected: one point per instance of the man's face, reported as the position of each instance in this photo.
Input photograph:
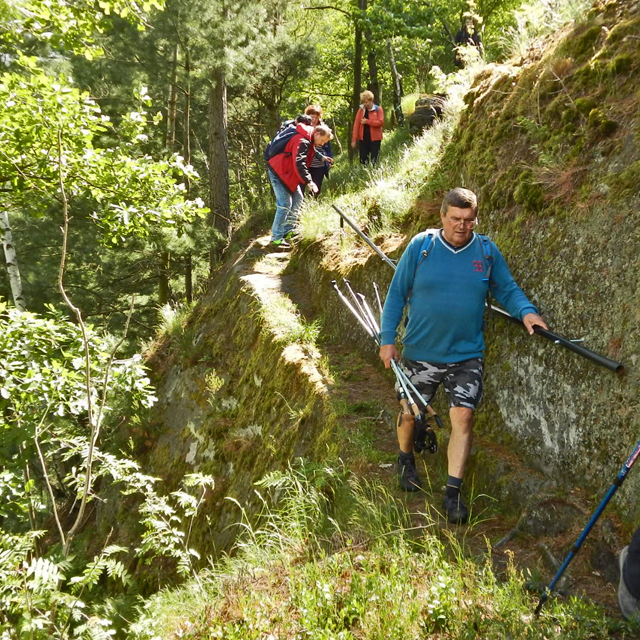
(457, 225)
(368, 103)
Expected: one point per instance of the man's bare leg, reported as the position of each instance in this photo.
(460, 441)
(405, 428)
(407, 474)
(458, 455)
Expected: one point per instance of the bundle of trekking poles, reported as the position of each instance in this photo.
(424, 431)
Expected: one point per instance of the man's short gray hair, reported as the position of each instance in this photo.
(460, 198)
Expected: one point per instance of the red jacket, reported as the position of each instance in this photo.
(376, 120)
(292, 165)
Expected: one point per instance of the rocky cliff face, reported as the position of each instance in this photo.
(241, 392)
(553, 147)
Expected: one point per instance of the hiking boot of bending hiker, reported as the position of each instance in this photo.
(629, 606)
(281, 244)
(407, 474)
(456, 509)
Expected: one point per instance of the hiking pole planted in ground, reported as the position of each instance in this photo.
(594, 518)
(603, 361)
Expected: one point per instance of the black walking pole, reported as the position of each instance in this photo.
(576, 547)
(603, 361)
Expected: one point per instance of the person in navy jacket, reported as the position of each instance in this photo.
(288, 171)
(323, 157)
(445, 275)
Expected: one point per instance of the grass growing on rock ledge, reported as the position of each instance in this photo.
(332, 557)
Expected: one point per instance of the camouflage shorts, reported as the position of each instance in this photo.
(462, 380)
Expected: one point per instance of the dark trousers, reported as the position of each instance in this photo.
(317, 175)
(369, 149)
(631, 569)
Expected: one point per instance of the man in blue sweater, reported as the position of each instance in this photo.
(445, 275)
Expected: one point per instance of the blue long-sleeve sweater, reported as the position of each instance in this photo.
(446, 306)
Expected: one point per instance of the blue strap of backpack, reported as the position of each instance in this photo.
(487, 257)
(427, 245)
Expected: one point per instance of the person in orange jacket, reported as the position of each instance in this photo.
(367, 129)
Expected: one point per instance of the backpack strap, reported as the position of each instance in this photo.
(427, 245)
(487, 256)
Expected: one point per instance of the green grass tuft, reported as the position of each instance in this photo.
(331, 556)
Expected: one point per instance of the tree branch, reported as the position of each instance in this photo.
(87, 354)
(46, 477)
(346, 13)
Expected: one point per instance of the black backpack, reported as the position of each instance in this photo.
(280, 140)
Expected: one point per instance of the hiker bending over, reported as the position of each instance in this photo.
(288, 171)
(323, 158)
(367, 129)
(629, 587)
(445, 275)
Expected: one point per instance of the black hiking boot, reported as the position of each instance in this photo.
(456, 509)
(407, 474)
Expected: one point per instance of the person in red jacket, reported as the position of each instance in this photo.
(288, 171)
(367, 129)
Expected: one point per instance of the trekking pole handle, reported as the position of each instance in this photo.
(427, 405)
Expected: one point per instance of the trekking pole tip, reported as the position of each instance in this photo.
(543, 599)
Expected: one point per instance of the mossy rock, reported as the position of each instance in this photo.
(585, 105)
(622, 64)
(599, 123)
(626, 183)
(584, 43)
(528, 193)
(622, 30)
(608, 127)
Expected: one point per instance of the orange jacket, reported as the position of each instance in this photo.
(376, 120)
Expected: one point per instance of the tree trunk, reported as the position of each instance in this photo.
(164, 262)
(218, 163)
(188, 278)
(188, 273)
(164, 272)
(172, 107)
(374, 83)
(357, 71)
(12, 263)
(397, 87)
